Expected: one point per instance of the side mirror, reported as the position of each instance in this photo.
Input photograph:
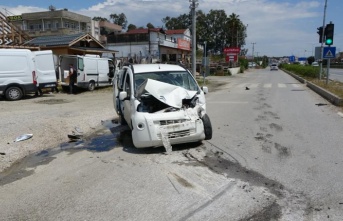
(122, 95)
(204, 89)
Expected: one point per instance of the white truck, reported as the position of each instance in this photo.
(92, 71)
(22, 71)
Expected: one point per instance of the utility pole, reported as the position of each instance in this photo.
(253, 49)
(193, 5)
(321, 47)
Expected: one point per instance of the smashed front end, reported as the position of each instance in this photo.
(166, 114)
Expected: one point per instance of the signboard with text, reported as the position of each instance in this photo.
(231, 54)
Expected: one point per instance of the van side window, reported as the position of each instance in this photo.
(80, 64)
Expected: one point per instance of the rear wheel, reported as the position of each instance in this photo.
(91, 86)
(207, 127)
(14, 93)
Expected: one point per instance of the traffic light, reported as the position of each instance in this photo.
(329, 29)
(320, 33)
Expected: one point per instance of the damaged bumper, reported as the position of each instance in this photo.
(153, 130)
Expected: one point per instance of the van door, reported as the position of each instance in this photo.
(103, 70)
(45, 69)
(126, 104)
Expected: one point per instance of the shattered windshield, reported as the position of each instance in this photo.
(178, 78)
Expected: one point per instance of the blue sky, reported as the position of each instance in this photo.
(278, 27)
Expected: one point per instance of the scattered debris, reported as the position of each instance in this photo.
(246, 88)
(321, 104)
(76, 135)
(2, 153)
(23, 137)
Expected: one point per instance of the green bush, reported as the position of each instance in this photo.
(301, 70)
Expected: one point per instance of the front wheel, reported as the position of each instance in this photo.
(14, 93)
(207, 127)
(91, 86)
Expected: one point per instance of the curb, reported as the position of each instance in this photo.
(334, 99)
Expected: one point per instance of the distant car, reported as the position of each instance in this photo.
(315, 64)
(274, 67)
(162, 104)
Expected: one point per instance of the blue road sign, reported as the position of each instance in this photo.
(329, 52)
(292, 58)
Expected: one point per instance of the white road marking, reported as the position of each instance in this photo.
(281, 85)
(267, 85)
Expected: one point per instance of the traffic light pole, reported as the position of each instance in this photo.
(321, 48)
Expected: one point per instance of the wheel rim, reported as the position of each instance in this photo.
(14, 94)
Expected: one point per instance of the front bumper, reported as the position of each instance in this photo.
(177, 127)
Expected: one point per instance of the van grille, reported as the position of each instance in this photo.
(168, 122)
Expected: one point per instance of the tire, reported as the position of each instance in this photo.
(207, 127)
(122, 120)
(14, 93)
(91, 86)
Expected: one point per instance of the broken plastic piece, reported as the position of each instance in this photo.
(23, 137)
(165, 140)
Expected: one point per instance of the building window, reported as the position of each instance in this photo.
(66, 24)
(72, 24)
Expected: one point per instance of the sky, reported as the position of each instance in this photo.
(274, 27)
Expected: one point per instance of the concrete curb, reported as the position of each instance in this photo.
(334, 99)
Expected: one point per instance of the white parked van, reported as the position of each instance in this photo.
(21, 71)
(92, 71)
(45, 69)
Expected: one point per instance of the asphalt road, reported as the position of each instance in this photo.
(336, 74)
(275, 155)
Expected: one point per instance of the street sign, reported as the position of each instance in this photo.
(292, 58)
(233, 50)
(329, 52)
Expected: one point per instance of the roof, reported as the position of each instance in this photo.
(144, 30)
(142, 68)
(55, 40)
(177, 31)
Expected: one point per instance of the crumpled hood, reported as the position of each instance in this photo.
(169, 94)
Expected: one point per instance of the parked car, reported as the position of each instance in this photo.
(274, 67)
(162, 104)
(315, 64)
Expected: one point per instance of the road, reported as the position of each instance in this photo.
(336, 74)
(274, 156)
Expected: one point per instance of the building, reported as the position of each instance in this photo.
(154, 44)
(53, 22)
(62, 22)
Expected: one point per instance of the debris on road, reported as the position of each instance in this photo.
(23, 137)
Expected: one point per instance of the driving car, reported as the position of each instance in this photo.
(162, 104)
(274, 67)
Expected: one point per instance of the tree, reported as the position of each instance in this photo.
(119, 19)
(181, 22)
(131, 27)
(236, 31)
(149, 25)
(99, 19)
(216, 28)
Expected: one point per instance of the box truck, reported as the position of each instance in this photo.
(92, 71)
(22, 70)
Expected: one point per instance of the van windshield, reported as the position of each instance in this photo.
(178, 78)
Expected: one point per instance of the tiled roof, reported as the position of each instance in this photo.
(177, 31)
(54, 40)
(143, 30)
